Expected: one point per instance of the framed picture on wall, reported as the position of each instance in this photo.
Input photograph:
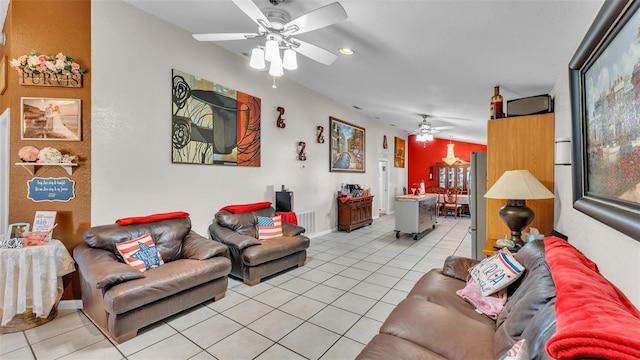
(50, 119)
(347, 146)
(3, 74)
(605, 87)
(398, 153)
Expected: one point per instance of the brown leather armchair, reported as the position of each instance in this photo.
(253, 259)
(120, 299)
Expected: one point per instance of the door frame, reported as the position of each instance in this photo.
(4, 169)
(383, 185)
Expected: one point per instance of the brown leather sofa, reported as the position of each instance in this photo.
(435, 323)
(254, 259)
(120, 299)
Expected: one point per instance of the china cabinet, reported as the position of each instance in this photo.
(456, 175)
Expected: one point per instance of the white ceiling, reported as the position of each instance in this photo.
(436, 57)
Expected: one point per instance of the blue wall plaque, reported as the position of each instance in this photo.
(51, 189)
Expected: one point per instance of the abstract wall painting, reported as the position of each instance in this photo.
(213, 124)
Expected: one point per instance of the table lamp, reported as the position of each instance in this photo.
(517, 186)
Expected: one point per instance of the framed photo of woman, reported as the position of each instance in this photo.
(50, 119)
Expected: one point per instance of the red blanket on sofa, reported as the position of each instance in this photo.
(594, 318)
(242, 208)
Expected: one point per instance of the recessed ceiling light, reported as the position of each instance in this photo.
(346, 51)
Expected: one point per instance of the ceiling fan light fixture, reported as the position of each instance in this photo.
(271, 50)
(275, 69)
(290, 61)
(257, 59)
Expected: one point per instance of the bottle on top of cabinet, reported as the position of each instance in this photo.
(496, 104)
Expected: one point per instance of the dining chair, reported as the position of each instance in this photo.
(451, 202)
(440, 200)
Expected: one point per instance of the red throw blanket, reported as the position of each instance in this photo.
(594, 318)
(152, 218)
(242, 208)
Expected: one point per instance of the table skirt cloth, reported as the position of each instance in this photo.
(31, 277)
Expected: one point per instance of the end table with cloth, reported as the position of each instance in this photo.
(31, 278)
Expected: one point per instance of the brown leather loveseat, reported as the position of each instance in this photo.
(594, 319)
(254, 259)
(120, 299)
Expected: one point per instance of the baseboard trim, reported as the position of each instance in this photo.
(317, 234)
(70, 304)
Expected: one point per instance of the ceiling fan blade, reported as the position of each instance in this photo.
(440, 128)
(316, 19)
(224, 36)
(313, 52)
(252, 11)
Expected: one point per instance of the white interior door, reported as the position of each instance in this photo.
(4, 170)
(383, 185)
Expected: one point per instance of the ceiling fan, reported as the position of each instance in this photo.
(425, 128)
(275, 24)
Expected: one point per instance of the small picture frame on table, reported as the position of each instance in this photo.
(18, 230)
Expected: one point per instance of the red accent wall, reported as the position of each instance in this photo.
(421, 156)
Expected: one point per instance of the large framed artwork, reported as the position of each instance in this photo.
(347, 147)
(605, 105)
(398, 153)
(50, 119)
(213, 124)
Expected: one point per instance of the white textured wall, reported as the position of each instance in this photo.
(617, 255)
(132, 57)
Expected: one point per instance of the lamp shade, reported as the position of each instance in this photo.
(257, 59)
(289, 60)
(275, 69)
(271, 50)
(518, 185)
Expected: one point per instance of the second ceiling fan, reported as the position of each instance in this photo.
(425, 130)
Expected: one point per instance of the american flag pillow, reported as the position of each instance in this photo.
(140, 253)
(269, 227)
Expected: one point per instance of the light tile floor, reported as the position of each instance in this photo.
(328, 309)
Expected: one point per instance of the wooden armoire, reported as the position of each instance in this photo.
(515, 143)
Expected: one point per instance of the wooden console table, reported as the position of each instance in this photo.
(354, 213)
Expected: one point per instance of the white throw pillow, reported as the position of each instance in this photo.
(496, 272)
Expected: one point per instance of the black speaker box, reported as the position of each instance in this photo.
(539, 104)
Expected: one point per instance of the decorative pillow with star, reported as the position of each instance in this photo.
(269, 227)
(140, 253)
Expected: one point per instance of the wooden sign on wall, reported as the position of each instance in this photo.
(46, 79)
